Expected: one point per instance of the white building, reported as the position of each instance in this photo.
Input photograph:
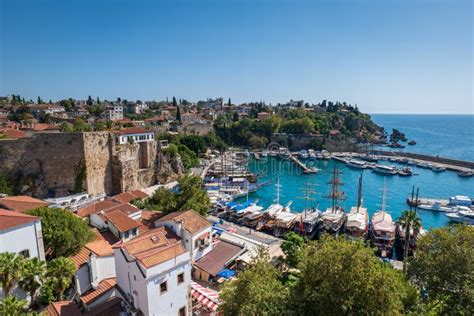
(113, 112)
(154, 273)
(194, 230)
(95, 277)
(134, 135)
(21, 234)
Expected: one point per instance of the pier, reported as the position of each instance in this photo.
(305, 168)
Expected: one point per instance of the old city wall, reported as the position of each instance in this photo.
(42, 165)
(60, 164)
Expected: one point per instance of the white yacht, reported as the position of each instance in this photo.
(436, 207)
(303, 154)
(384, 169)
(358, 164)
(463, 215)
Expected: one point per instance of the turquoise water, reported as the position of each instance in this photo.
(449, 136)
(292, 181)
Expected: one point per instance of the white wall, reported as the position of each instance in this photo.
(106, 267)
(97, 221)
(83, 281)
(146, 290)
(198, 253)
(25, 237)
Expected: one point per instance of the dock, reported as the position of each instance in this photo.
(305, 168)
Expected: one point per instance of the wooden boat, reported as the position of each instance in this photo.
(333, 218)
(383, 229)
(357, 221)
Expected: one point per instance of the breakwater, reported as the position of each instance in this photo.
(449, 162)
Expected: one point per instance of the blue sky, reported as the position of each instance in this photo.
(385, 56)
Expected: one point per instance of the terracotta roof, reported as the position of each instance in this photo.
(9, 219)
(192, 221)
(99, 246)
(121, 221)
(12, 133)
(42, 127)
(21, 203)
(63, 308)
(155, 119)
(154, 247)
(215, 260)
(127, 197)
(133, 130)
(104, 286)
(108, 205)
(111, 307)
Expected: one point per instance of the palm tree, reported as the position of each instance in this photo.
(32, 277)
(11, 266)
(408, 220)
(12, 306)
(61, 270)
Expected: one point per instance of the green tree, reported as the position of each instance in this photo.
(178, 114)
(64, 234)
(32, 277)
(409, 220)
(229, 103)
(39, 100)
(11, 267)
(188, 196)
(174, 102)
(68, 104)
(443, 268)
(292, 247)
(340, 277)
(89, 101)
(80, 125)
(195, 143)
(12, 306)
(5, 186)
(257, 290)
(66, 127)
(60, 271)
(258, 141)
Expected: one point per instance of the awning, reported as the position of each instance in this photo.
(226, 273)
(207, 297)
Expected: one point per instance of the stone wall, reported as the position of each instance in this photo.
(53, 165)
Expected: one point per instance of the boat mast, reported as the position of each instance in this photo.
(359, 193)
(335, 194)
(384, 194)
(278, 186)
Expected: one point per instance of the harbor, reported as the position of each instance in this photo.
(264, 169)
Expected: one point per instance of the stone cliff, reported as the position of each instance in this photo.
(48, 165)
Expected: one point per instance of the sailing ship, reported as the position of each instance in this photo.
(309, 219)
(383, 228)
(357, 221)
(268, 221)
(333, 218)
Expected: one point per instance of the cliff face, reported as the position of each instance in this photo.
(60, 164)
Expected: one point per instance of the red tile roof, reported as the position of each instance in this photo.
(108, 205)
(104, 286)
(133, 130)
(127, 197)
(12, 133)
(154, 247)
(10, 219)
(62, 308)
(21, 203)
(192, 221)
(99, 246)
(122, 222)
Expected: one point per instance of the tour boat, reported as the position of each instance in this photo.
(357, 220)
(308, 223)
(333, 218)
(465, 174)
(405, 172)
(384, 169)
(436, 207)
(326, 155)
(438, 169)
(383, 229)
(463, 215)
(358, 164)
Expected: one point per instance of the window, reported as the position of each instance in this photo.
(182, 311)
(25, 253)
(125, 235)
(181, 278)
(163, 288)
(134, 277)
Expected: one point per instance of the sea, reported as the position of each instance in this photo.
(444, 135)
